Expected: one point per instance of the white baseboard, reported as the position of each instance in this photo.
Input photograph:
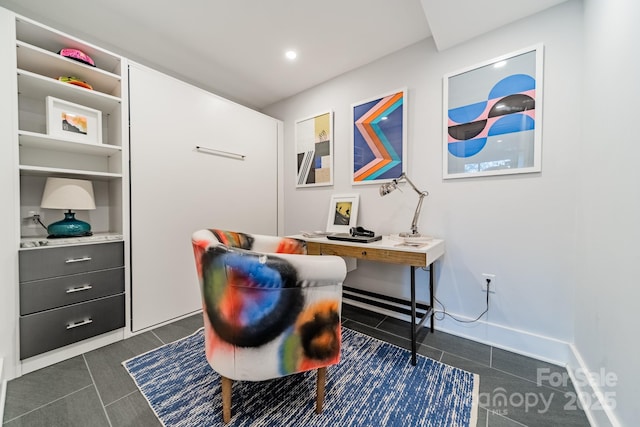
(525, 343)
(539, 347)
(129, 334)
(587, 388)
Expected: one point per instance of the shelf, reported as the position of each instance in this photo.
(52, 40)
(36, 86)
(47, 171)
(46, 142)
(48, 64)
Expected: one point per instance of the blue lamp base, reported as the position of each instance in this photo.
(69, 227)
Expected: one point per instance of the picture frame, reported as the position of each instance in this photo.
(314, 150)
(493, 116)
(379, 138)
(73, 122)
(343, 212)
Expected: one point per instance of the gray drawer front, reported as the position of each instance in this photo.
(49, 330)
(46, 263)
(44, 294)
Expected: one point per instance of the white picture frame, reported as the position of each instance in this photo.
(493, 116)
(73, 122)
(314, 150)
(343, 212)
(379, 138)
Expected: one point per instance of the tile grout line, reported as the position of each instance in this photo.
(380, 322)
(123, 397)
(491, 357)
(104, 409)
(443, 352)
(456, 355)
(406, 339)
(47, 404)
(133, 392)
(156, 335)
(506, 373)
(506, 418)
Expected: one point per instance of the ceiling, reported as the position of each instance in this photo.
(235, 48)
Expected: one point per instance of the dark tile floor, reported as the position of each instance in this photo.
(95, 390)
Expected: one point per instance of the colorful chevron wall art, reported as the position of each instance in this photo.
(379, 142)
(493, 117)
(314, 150)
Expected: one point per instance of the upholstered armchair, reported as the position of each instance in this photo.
(269, 309)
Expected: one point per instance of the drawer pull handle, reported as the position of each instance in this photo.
(72, 260)
(80, 323)
(79, 289)
(364, 253)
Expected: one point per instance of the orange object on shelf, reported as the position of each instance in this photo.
(75, 81)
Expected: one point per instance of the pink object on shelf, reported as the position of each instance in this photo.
(78, 55)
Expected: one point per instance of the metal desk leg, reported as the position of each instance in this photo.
(413, 316)
(429, 313)
(431, 294)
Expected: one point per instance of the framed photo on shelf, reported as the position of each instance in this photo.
(314, 150)
(493, 116)
(73, 122)
(379, 138)
(343, 212)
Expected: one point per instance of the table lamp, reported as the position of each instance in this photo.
(388, 187)
(65, 193)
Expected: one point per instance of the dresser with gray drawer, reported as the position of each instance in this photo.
(68, 294)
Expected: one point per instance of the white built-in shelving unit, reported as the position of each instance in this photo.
(40, 155)
(38, 65)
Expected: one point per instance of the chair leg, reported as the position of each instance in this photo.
(322, 377)
(226, 399)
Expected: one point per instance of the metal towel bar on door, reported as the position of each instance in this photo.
(220, 152)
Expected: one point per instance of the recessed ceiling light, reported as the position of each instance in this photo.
(291, 55)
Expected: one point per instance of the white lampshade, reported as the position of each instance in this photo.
(65, 193)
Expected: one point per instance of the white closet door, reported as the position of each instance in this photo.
(177, 189)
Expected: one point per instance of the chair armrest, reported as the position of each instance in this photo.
(318, 270)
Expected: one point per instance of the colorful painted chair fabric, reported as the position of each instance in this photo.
(269, 309)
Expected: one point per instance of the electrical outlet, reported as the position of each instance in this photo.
(31, 220)
(489, 277)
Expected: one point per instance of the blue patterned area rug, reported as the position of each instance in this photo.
(373, 385)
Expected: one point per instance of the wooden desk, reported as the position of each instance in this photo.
(390, 251)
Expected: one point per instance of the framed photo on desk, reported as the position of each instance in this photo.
(343, 212)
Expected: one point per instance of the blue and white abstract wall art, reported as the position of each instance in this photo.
(493, 117)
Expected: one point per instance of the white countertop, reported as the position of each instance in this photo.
(38, 242)
(433, 248)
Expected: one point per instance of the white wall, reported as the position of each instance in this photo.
(608, 251)
(518, 227)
